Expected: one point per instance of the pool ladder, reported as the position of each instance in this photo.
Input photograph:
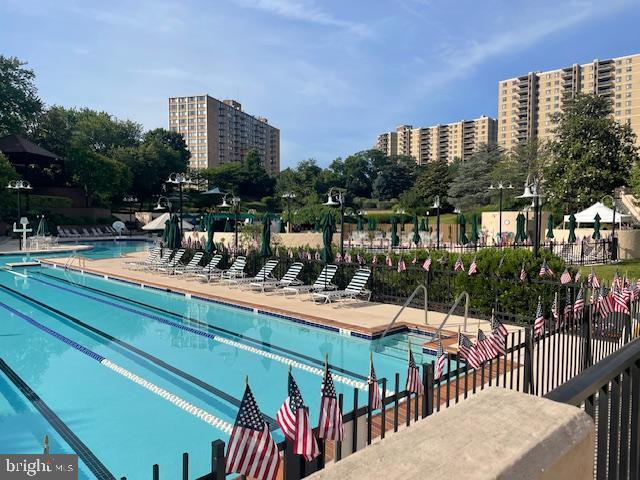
(75, 256)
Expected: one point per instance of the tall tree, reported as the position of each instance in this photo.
(19, 101)
(173, 140)
(432, 179)
(591, 155)
(394, 177)
(468, 188)
(101, 178)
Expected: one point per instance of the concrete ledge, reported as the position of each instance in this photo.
(496, 433)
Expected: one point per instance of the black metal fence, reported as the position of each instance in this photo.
(582, 359)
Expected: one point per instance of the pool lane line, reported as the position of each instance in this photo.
(200, 413)
(335, 368)
(79, 447)
(153, 359)
(217, 338)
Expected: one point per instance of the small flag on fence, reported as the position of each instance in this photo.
(484, 346)
(414, 382)
(565, 277)
(578, 305)
(620, 301)
(401, 265)
(290, 253)
(293, 420)
(545, 271)
(374, 259)
(389, 261)
(499, 334)
(577, 277)
(459, 266)
(330, 423)
(468, 352)
(554, 309)
(338, 257)
(617, 280)
(568, 308)
(347, 257)
(595, 283)
(375, 400)
(427, 264)
(523, 274)
(538, 324)
(251, 450)
(317, 256)
(473, 268)
(440, 361)
(360, 259)
(414, 261)
(604, 304)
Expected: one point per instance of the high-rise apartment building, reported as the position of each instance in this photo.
(527, 104)
(450, 141)
(219, 132)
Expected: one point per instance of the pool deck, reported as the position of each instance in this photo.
(367, 318)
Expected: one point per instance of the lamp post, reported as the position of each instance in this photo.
(130, 200)
(500, 188)
(19, 185)
(436, 205)
(288, 197)
(614, 241)
(339, 200)
(235, 203)
(401, 212)
(179, 179)
(532, 190)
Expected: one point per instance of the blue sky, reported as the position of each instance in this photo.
(331, 74)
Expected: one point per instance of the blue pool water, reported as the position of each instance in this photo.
(197, 350)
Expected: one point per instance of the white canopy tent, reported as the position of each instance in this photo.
(158, 223)
(606, 215)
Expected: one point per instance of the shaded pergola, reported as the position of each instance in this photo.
(31, 161)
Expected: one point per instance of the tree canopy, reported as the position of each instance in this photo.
(19, 101)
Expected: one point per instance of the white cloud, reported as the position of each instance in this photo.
(305, 11)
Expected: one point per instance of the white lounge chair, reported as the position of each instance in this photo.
(262, 276)
(206, 270)
(234, 271)
(289, 279)
(171, 264)
(323, 282)
(355, 289)
(192, 265)
(152, 255)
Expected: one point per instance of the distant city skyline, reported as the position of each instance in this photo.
(331, 75)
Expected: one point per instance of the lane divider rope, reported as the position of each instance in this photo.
(179, 402)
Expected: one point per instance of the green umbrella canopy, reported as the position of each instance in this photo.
(572, 229)
(462, 231)
(416, 234)
(360, 223)
(175, 235)
(424, 223)
(165, 232)
(520, 228)
(265, 248)
(596, 227)
(370, 225)
(550, 225)
(474, 228)
(395, 240)
(328, 227)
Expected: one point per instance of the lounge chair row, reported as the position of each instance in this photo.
(105, 231)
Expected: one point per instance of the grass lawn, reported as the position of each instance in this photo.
(606, 272)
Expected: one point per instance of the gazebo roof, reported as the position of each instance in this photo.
(588, 215)
(17, 145)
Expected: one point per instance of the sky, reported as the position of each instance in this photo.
(330, 74)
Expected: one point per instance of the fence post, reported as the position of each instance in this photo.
(293, 464)
(528, 362)
(427, 380)
(185, 466)
(218, 462)
(587, 314)
(156, 472)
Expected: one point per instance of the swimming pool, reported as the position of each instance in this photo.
(141, 375)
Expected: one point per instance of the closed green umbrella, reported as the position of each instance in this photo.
(202, 226)
(395, 240)
(175, 235)
(227, 225)
(596, 227)
(416, 234)
(572, 229)
(550, 225)
(282, 226)
(328, 227)
(316, 225)
(165, 232)
(370, 225)
(424, 224)
(462, 232)
(520, 220)
(265, 248)
(474, 228)
(209, 246)
(360, 223)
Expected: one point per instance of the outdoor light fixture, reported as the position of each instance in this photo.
(235, 202)
(436, 205)
(289, 196)
(436, 202)
(333, 203)
(500, 188)
(179, 179)
(19, 185)
(167, 203)
(531, 190)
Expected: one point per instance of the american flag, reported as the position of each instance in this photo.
(595, 283)
(374, 259)
(360, 260)
(389, 261)
(293, 419)
(459, 266)
(317, 256)
(414, 382)
(338, 257)
(617, 280)
(523, 274)
(568, 307)
(604, 305)
(427, 264)
(401, 265)
(620, 301)
(485, 346)
(545, 271)
(251, 450)
(590, 277)
(565, 277)
(347, 257)
(375, 400)
(473, 268)
(414, 261)
(499, 334)
(554, 310)
(577, 277)
(538, 324)
(330, 424)
(440, 361)
(468, 351)
(578, 305)
(290, 253)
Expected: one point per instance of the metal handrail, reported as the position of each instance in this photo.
(426, 310)
(74, 256)
(455, 304)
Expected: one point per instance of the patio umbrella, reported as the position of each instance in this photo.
(209, 246)
(316, 225)
(370, 225)
(202, 226)
(227, 225)
(474, 228)
(462, 234)
(165, 232)
(395, 240)
(265, 248)
(416, 234)
(282, 226)
(328, 226)
(596, 227)
(572, 229)
(43, 228)
(175, 235)
(520, 235)
(424, 224)
(360, 223)
(550, 227)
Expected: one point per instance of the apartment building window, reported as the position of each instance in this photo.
(618, 104)
(627, 103)
(617, 113)
(627, 112)
(200, 98)
(628, 95)
(628, 86)
(629, 60)
(629, 69)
